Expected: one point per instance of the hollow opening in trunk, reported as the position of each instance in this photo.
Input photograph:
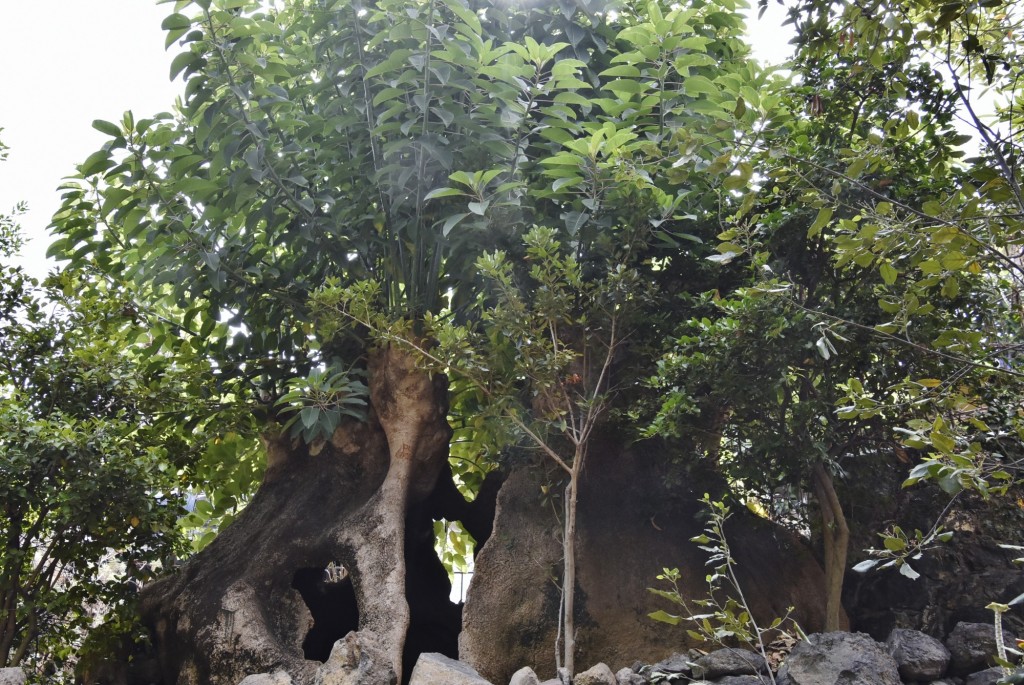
(329, 595)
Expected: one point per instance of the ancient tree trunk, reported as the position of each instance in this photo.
(257, 598)
(412, 415)
(836, 537)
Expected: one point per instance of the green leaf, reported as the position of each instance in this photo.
(107, 127)
(182, 62)
(176, 22)
(96, 162)
(908, 572)
(443, 192)
(700, 85)
(820, 221)
(665, 617)
(888, 273)
(450, 223)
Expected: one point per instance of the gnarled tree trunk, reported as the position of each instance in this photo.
(257, 598)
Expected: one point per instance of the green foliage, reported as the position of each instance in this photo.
(88, 465)
(10, 232)
(319, 402)
(711, 619)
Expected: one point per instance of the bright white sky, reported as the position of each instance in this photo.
(64, 63)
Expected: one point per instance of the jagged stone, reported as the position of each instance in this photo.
(599, 674)
(728, 661)
(742, 680)
(677, 663)
(276, 678)
(437, 669)
(524, 676)
(355, 660)
(12, 676)
(972, 646)
(839, 659)
(918, 656)
(990, 676)
(627, 676)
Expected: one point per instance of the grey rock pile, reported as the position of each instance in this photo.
(907, 657)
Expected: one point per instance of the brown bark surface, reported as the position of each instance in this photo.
(241, 606)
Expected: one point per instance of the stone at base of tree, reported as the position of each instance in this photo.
(355, 660)
(742, 680)
(919, 657)
(12, 676)
(729, 661)
(677, 663)
(972, 646)
(524, 676)
(276, 678)
(599, 674)
(839, 659)
(437, 669)
(990, 676)
(553, 681)
(627, 676)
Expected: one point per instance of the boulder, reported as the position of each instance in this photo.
(839, 659)
(598, 674)
(677, 663)
(972, 646)
(631, 524)
(990, 676)
(627, 676)
(742, 680)
(355, 660)
(12, 676)
(437, 669)
(729, 661)
(276, 678)
(918, 656)
(524, 676)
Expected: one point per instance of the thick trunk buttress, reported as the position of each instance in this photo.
(410, 409)
(261, 597)
(836, 538)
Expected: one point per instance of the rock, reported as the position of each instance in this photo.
(972, 646)
(631, 525)
(677, 663)
(990, 676)
(598, 674)
(276, 678)
(552, 681)
(437, 669)
(355, 660)
(627, 676)
(524, 676)
(918, 656)
(12, 676)
(839, 659)
(742, 680)
(729, 661)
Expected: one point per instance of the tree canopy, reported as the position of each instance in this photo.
(821, 264)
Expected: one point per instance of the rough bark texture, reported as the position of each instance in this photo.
(836, 538)
(243, 605)
(632, 522)
(958, 578)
